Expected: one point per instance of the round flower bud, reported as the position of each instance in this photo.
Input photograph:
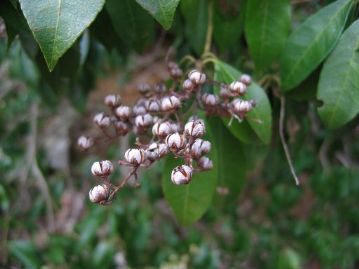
(172, 65)
(122, 127)
(102, 120)
(99, 194)
(188, 85)
(102, 168)
(139, 110)
(123, 112)
(85, 142)
(144, 88)
(200, 147)
(210, 99)
(237, 88)
(242, 106)
(156, 151)
(197, 77)
(112, 100)
(176, 72)
(246, 79)
(135, 156)
(175, 127)
(152, 105)
(160, 88)
(175, 142)
(224, 91)
(181, 174)
(205, 163)
(170, 103)
(162, 129)
(143, 120)
(194, 128)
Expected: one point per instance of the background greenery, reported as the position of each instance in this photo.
(305, 51)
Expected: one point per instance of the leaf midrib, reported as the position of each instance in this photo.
(56, 31)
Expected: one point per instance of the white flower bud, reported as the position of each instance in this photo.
(160, 88)
(242, 106)
(102, 168)
(102, 120)
(200, 147)
(195, 128)
(175, 127)
(176, 72)
(210, 99)
(170, 103)
(237, 88)
(197, 77)
(246, 79)
(85, 142)
(162, 129)
(123, 112)
(172, 65)
(156, 151)
(188, 85)
(152, 105)
(122, 127)
(205, 163)
(139, 110)
(224, 91)
(144, 88)
(181, 175)
(99, 194)
(135, 156)
(113, 100)
(175, 142)
(143, 120)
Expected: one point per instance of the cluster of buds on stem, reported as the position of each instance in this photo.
(158, 121)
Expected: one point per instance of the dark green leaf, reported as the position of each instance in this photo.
(133, 25)
(311, 42)
(56, 24)
(339, 81)
(162, 10)
(267, 26)
(259, 119)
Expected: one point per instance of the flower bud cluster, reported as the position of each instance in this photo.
(158, 121)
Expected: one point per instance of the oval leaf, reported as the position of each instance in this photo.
(56, 24)
(339, 81)
(311, 42)
(162, 10)
(267, 26)
(259, 119)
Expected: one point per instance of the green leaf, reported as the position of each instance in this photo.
(259, 119)
(267, 26)
(189, 202)
(56, 24)
(162, 10)
(133, 25)
(311, 42)
(339, 81)
(25, 253)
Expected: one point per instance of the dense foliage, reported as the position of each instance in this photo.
(246, 213)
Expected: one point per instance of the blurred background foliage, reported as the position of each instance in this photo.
(46, 219)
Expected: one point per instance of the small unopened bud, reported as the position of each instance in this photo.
(205, 163)
(237, 88)
(122, 127)
(143, 120)
(112, 100)
(160, 88)
(197, 77)
(210, 99)
(170, 103)
(181, 175)
(135, 156)
(156, 151)
(139, 110)
(162, 129)
(224, 91)
(195, 128)
(175, 142)
(123, 112)
(144, 88)
(200, 147)
(172, 65)
(85, 142)
(102, 168)
(99, 194)
(188, 85)
(246, 79)
(176, 72)
(152, 105)
(242, 106)
(102, 120)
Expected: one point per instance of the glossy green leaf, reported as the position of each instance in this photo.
(133, 25)
(259, 119)
(189, 202)
(311, 42)
(267, 26)
(162, 10)
(56, 24)
(339, 81)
